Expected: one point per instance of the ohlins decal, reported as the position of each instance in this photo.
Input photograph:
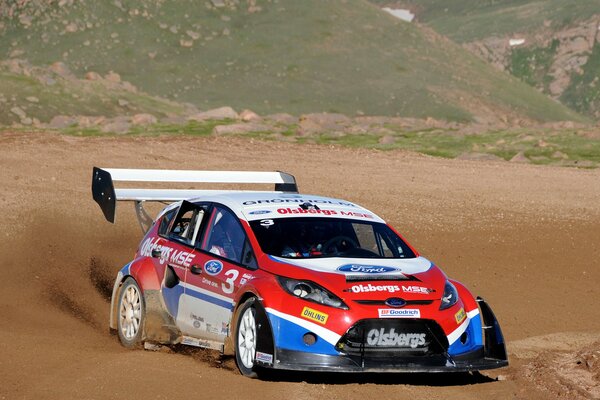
(460, 316)
(314, 315)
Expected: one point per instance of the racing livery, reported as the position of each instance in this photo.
(288, 281)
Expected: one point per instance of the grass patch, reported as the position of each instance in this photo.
(347, 57)
(532, 64)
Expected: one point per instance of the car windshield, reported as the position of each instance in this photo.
(328, 237)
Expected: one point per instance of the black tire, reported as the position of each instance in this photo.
(245, 352)
(131, 314)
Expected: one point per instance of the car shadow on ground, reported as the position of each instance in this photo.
(217, 360)
(416, 379)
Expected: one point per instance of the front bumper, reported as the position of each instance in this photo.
(301, 361)
(355, 355)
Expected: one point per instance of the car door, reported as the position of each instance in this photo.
(225, 261)
(178, 232)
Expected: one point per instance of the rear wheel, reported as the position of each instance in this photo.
(246, 338)
(130, 323)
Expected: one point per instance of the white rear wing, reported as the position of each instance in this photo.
(106, 195)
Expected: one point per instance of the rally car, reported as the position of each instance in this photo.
(288, 281)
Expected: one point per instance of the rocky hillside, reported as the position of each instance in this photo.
(344, 56)
(552, 45)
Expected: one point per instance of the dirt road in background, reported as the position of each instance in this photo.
(523, 237)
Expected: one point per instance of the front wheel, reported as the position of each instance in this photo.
(130, 324)
(246, 338)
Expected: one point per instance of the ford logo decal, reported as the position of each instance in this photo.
(395, 302)
(366, 269)
(259, 212)
(213, 267)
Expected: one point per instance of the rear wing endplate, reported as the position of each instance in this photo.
(106, 195)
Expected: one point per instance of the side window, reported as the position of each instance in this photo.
(165, 222)
(226, 237)
(187, 224)
(366, 236)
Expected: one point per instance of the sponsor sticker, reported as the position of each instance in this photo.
(460, 316)
(264, 357)
(381, 337)
(314, 315)
(399, 313)
(297, 200)
(259, 212)
(168, 254)
(366, 269)
(374, 288)
(417, 290)
(284, 211)
(213, 267)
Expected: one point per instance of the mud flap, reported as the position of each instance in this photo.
(493, 338)
(265, 344)
(159, 326)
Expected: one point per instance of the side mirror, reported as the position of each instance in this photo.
(249, 260)
(156, 253)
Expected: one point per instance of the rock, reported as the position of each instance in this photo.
(88, 122)
(322, 122)
(218, 3)
(236, 129)
(479, 157)
(193, 35)
(61, 122)
(326, 119)
(123, 102)
(387, 139)
(309, 127)
(520, 158)
(71, 27)
(93, 76)
(113, 77)
(143, 119)
(18, 112)
(174, 120)
(249, 116)
(282, 118)
(215, 114)
(117, 125)
(560, 154)
(60, 68)
(32, 99)
(186, 43)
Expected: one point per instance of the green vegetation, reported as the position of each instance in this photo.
(564, 147)
(467, 21)
(583, 94)
(532, 64)
(191, 128)
(289, 56)
(44, 95)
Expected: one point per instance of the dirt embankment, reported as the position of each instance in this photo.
(523, 237)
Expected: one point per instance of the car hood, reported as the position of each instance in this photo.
(363, 268)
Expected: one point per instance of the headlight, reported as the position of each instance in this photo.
(311, 291)
(450, 296)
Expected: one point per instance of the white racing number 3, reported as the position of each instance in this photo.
(228, 285)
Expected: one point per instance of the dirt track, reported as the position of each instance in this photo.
(523, 237)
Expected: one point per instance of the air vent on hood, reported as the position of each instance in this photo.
(377, 277)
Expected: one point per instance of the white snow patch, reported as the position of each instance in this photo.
(401, 13)
(516, 42)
